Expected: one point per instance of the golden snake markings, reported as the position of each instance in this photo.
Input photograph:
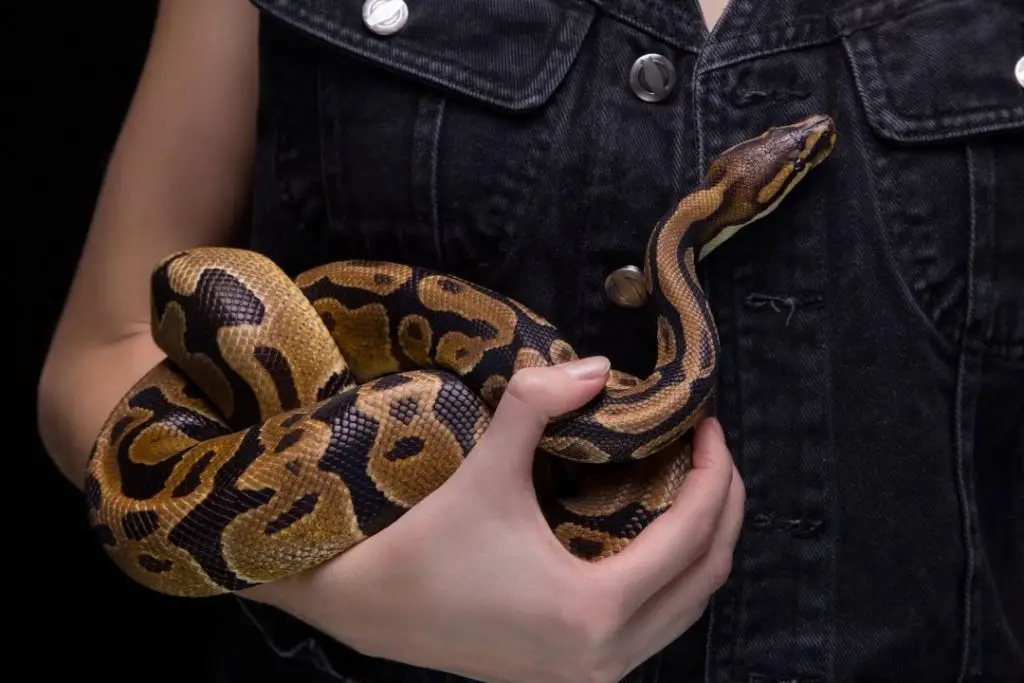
(294, 418)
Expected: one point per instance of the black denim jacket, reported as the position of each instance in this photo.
(872, 329)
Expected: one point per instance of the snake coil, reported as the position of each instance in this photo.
(294, 418)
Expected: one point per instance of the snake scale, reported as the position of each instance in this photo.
(295, 417)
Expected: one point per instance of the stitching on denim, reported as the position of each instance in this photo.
(961, 375)
(864, 17)
(884, 117)
(782, 48)
(881, 90)
(748, 97)
(516, 223)
(671, 14)
(800, 21)
(779, 304)
(564, 45)
(797, 527)
(423, 172)
(800, 33)
(881, 239)
(434, 210)
(698, 118)
(679, 42)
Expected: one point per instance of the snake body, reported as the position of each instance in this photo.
(294, 418)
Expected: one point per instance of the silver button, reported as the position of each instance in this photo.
(652, 77)
(385, 17)
(1019, 71)
(626, 287)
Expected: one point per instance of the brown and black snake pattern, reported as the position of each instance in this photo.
(294, 418)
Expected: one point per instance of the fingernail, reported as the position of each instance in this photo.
(588, 368)
(718, 426)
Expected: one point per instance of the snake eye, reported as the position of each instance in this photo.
(798, 164)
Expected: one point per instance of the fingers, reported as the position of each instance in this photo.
(680, 604)
(533, 397)
(685, 531)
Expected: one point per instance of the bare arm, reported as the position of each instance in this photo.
(495, 596)
(178, 177)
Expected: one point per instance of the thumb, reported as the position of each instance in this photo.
(534, 396)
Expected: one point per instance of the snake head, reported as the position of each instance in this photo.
(754, 176)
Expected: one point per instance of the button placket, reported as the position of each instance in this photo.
(652, 78)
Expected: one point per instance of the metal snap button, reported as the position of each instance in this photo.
(385, 17)
(652, 77)
(626, 287)
(1019, 71)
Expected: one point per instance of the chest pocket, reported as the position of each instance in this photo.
(432, 137)
(937, 87)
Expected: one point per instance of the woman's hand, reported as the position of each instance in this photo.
(473, 582)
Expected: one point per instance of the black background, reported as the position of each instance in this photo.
(70, 70)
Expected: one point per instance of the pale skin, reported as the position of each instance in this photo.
(712, 11)
(471, 581)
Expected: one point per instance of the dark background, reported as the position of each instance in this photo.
(74, 67)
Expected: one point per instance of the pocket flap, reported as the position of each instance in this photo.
(935, 70)
(512, 55)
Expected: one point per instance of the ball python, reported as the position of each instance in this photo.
(293, 418)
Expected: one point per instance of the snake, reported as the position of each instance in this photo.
(292, 418)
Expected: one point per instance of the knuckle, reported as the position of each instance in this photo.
(525, 381)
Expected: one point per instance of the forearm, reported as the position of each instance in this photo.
(178, 177)
(77, 391)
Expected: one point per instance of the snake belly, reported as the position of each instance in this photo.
(294, 418)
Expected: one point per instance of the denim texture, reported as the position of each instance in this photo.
(872, 328)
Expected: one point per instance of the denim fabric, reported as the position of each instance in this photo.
(872, 329)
